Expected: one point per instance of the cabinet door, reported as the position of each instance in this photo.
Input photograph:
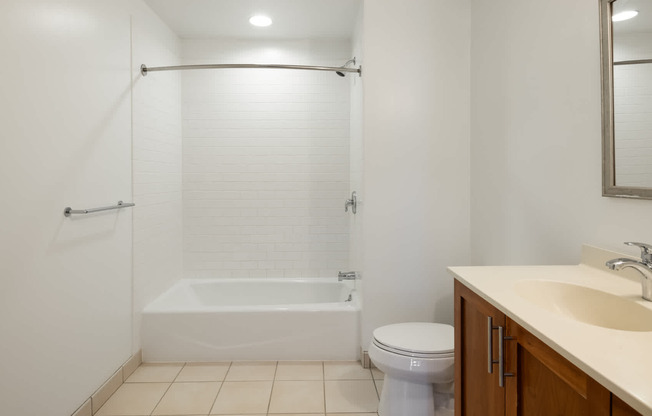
(620, 408)
(476, 390)
(545, 383)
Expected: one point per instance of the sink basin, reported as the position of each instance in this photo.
(586, 305)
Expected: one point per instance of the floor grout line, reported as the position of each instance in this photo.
(168, 389)
(220, 389)
(271, 392)
(323, 374)
(292, 378)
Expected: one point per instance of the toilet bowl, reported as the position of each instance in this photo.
(418, 361)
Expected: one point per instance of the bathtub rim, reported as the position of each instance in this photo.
(153, 307)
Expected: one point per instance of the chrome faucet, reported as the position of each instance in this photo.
(644, 267)
(346, 276)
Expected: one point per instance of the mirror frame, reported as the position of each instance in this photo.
(609, 187)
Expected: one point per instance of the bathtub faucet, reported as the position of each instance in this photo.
(346, 276)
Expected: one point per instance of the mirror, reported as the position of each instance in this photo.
(626, 49)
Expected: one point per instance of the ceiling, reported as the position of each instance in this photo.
(293, 19)
(640, 23)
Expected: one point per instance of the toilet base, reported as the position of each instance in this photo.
(401, 398)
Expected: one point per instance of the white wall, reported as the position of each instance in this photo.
(633, 109)
(66, 283)
(536, 144)
(266, 160)
(157, 155)
(416, 158)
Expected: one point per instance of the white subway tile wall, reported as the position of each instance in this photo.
(633, 110)
(265, 160)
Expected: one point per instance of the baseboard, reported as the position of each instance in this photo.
(106, 390)
(366, 362)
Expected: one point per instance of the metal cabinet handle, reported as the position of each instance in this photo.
(490, 345)
(501, 357)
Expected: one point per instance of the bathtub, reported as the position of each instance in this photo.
(253, 319)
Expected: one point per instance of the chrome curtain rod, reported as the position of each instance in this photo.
(144, 70)
(69, 211)
(634, 62)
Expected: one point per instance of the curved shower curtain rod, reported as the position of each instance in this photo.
(340, 70)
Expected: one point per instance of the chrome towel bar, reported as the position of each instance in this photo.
(69, 211)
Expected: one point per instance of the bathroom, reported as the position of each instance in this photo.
(480, 125)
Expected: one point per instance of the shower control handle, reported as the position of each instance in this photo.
(353, 203)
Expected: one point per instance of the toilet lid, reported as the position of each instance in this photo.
(418, 337)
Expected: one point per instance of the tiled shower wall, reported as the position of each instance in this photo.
(633, 110)
(265, 160)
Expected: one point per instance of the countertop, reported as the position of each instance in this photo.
(619, 360)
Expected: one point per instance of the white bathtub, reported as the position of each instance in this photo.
(253, 319)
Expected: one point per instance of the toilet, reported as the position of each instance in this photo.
(418, 361)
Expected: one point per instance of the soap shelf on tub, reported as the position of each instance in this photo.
(69, 211)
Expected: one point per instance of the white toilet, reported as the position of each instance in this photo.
(418, 362)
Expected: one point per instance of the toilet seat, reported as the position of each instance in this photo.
(416, 339)
(411, 354)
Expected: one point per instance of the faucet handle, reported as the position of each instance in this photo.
(646, 251)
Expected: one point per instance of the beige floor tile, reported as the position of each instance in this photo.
(301, 414)
(155, 373)
(297, 397)
(251, 371)
(345, 370)
(203, 372)
(188, 399)
(351, 396)
(243, 397)
(134, 399)
(377, 374)
(300, 370)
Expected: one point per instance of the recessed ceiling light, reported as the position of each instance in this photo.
(260, 20)
(627, 14)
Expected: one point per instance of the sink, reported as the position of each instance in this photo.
(586, 305)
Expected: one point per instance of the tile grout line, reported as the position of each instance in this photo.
(269, 402)
(220, 389)
(168, 389)
(323, 377)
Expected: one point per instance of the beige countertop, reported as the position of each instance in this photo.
(619, 360)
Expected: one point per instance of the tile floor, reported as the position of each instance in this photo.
(284, 388)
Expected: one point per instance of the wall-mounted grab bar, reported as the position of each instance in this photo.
(69, 211)
(634, 62)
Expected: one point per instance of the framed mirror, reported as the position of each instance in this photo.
(626, 50)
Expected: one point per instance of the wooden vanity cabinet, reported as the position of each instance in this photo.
(477, 392)
(538, 380)
(620, 408)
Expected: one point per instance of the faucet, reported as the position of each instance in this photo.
(644, 267)
(346, 276)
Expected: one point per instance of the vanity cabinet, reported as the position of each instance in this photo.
(537, 381)
(477, 392)
(620, 408)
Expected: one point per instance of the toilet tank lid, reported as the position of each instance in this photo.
(421, 337)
